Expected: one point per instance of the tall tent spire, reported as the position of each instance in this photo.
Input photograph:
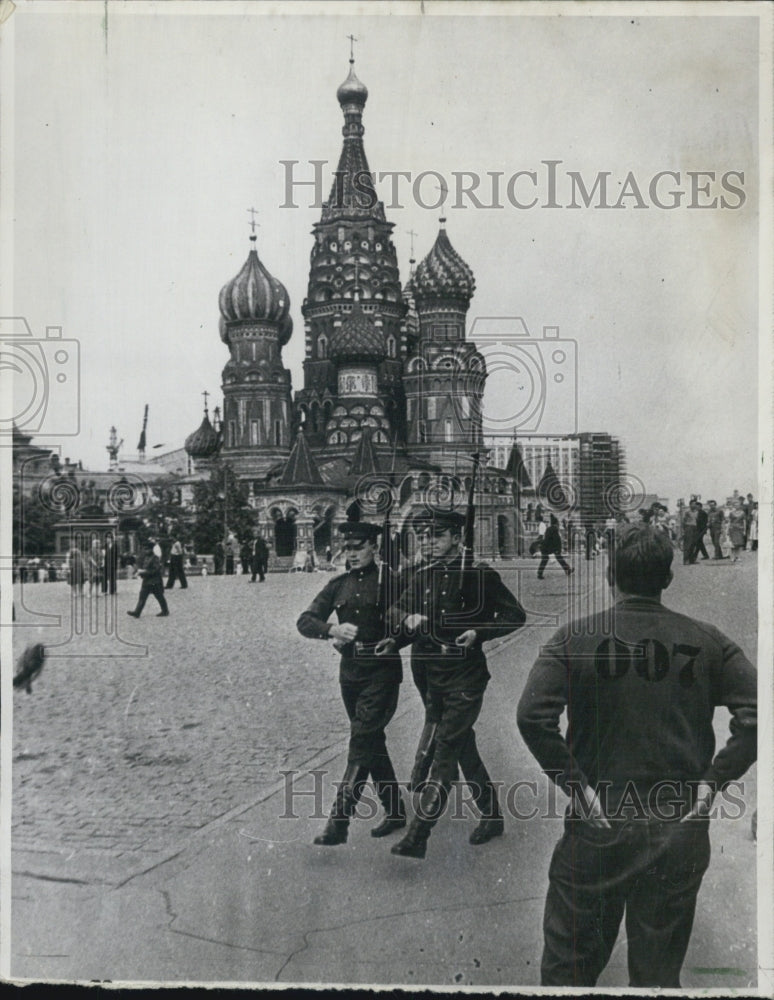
(300, 468)
(352, 194)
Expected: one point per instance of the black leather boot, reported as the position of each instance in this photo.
(491, 823)
(347, 797)
(432, 802)
(424, 756)
(388, 791)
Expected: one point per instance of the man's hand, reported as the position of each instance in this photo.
(467, 639)
(345, 633)
(593, 813)
(705, 793)
(414, 622)
(385, 646)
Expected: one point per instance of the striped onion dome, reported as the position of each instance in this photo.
(204, 441)
(255, 295)
(443, 273)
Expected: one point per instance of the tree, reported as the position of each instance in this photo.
(221, 504)
(164, 517)
(33, 525)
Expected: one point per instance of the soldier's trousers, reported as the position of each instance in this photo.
(454, 714)
(370, 706)
(652, 870)
(457, 736)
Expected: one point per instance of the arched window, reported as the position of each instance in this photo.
(391, 347)
(322, 347)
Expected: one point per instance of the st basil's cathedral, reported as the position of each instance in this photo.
(392, 389)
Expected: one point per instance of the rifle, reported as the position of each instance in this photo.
(468, 534)
(389, 558)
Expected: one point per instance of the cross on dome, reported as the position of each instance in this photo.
(252, 223)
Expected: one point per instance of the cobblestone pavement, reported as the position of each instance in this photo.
(149, 839)
(118, 758)
(126, 754)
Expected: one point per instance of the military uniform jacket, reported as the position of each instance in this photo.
(640, 701)
(433, 590)
(354, 597)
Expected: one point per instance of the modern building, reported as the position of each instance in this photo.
(586, 470)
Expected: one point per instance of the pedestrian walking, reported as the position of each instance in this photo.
(552, 546)
(637, 762)
(109, 565)
(259, 558)
(715, 519)
(152, 583)
(753, 531)
(219, 558)
(537, 543)
(94, 566)
(369, 684)
(471, 765)
(455, 670)
(230, 556)
(176, 565)
(77, 572)
(702, 523)
(747, 507)
(690, 516)
(245, 550)
(736, 528)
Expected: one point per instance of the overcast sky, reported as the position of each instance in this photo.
(141, 141)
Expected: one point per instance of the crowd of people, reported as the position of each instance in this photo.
(730, 527)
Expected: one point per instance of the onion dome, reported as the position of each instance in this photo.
(255, 295)
(443, 273)
(352, 90)
(205, 441)
(358, 339)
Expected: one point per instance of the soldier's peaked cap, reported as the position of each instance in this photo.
(359, 530)
(439, 520)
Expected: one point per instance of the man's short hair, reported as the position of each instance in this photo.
(642, 560)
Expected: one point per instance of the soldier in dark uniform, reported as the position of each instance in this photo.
(369, 686)
(447, 618)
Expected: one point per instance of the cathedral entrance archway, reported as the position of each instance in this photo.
(285, 532)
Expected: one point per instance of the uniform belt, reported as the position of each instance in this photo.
(444, 648)
(365, 648)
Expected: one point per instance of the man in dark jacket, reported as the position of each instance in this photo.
(369, 685)
(259, 558)
(715, 517)
(447, 615)
(176, 565)
(109, 566)
(152, 583)
(639, 689)
(702, 522)
(552, 546)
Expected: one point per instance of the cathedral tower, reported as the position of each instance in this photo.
(352, 250)
(445, 375)
(255, 324)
